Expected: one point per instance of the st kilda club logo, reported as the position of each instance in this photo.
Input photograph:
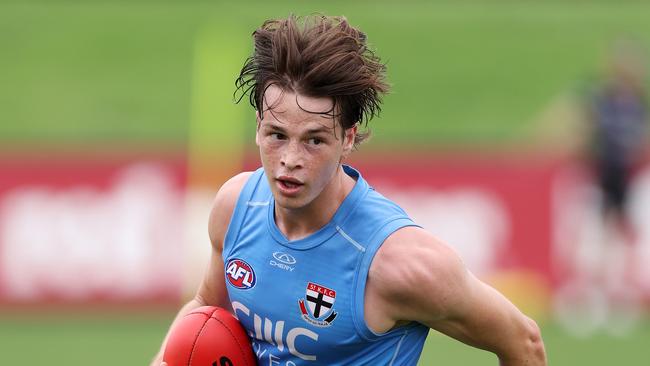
(240, 274)
(317, 306)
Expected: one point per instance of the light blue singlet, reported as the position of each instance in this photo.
(302, 301)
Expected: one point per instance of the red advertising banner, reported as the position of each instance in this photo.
(74, 229)
(112, 230)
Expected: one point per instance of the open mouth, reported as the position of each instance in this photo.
(289, 185)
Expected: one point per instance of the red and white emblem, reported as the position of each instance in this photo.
(320, 303)
(240, 274)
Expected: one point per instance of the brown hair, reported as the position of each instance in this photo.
(316, 56)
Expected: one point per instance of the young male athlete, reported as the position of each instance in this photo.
(319, 267)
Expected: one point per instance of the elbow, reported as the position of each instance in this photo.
(534, 347)
(529, 349)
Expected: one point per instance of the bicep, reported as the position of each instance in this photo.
(212, 290)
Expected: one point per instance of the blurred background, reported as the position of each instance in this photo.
(517, 131)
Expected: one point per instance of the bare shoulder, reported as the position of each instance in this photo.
(224, 205)
(414, 269)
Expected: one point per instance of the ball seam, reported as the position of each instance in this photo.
(241, 349)
(196, 339)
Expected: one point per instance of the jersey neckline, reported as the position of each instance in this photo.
(325, 232)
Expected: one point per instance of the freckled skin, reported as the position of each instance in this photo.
(308, 147)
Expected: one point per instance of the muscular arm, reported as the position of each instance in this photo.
(212, 290)
(433, 287)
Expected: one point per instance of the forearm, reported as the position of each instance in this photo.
(518, 339)
(493, 323)
(186, 309)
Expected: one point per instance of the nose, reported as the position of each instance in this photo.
(292, 156)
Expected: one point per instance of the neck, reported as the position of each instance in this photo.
(299, 223)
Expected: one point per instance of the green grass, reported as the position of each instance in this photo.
(130, 338)
(601, 349)
(115, 73)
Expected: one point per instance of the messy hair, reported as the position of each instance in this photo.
(316, 56)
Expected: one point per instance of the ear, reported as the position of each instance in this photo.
(257, 129)
(348, 141)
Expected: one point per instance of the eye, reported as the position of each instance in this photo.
(315, 141)
(277, 136)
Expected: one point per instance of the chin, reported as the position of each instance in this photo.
(289, 202)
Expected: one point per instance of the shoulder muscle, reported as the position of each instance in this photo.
(223, 207)
(417, 276)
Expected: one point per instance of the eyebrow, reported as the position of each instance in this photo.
(312, 131)
(274, 127)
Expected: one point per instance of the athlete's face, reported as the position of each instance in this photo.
(300, 151)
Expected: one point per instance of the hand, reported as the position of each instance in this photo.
(158, 362)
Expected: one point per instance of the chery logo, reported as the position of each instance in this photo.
(284, 258)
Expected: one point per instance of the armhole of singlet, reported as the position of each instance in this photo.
(239, 212)
(390, 226)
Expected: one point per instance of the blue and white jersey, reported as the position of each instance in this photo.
(302, 301)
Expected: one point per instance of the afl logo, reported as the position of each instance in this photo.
(240, 274)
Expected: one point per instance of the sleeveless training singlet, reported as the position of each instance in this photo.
(302, 301)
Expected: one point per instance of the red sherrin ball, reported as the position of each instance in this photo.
(208, 336)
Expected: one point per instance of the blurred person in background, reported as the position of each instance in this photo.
(360, 283)
(617, 114)
(616, 120)
(602, 126)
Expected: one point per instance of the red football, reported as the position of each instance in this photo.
(208, 336)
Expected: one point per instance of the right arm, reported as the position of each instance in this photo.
(212, 290)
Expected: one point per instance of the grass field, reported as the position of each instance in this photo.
(130, 338)
(463, 72)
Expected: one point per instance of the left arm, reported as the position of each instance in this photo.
(434, 287)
